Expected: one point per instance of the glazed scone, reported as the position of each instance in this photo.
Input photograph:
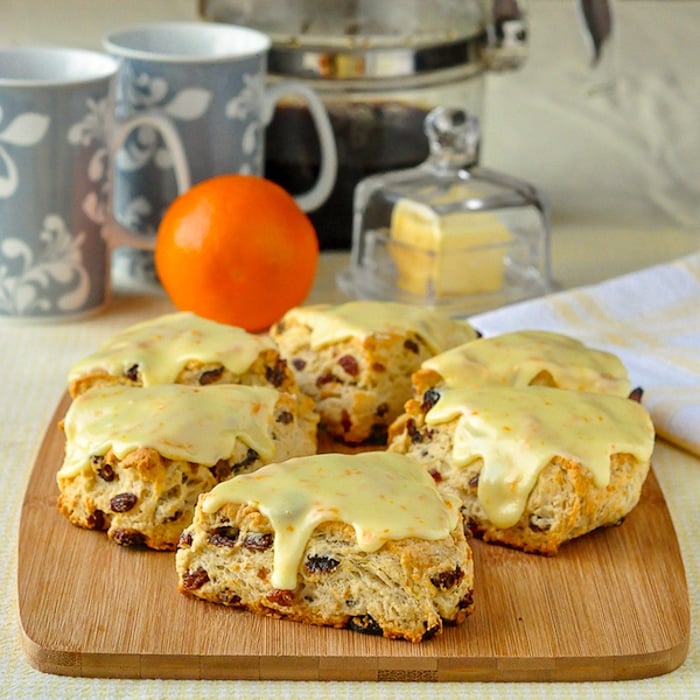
(533, 467)
(361, 541)
(183, 348)
(137, 458)
(525, 358)
(356, 359)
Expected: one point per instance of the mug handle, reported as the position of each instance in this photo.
(318, 194)
(115, 233)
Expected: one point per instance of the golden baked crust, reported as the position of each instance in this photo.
(564, 503)
(145, 498)
(408, 589)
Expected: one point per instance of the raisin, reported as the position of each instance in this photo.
(285, 417)
(132, 373)
(281, 596)
(316, 563)
(345, 421)
(224, 537)
(466, 601)
(192, 580)
(229, 598)
(430, 398)
(106, 472)
(298, 363)
(96, 520)
(185, 540)
(258, 541)
(474, 481)
(377, 434)
(447, 579)
(250, 457)
(413, 432)
(277, 374)
(637, 394)
(103, 469)
(365, 624)
(382, 409)
(411, 345)
(437, 477)
(210, 376)
(430, 632)
(221, 470)
(128, 538)
(123, 502)
(378, 367)
(327, 378)
(350, 365)
(472, 527)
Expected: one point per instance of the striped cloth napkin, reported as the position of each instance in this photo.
(650, 319)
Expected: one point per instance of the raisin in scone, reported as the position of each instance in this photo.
(525, 358)
(361, 541)
(533, 467)
(137, 458)
(356, 359)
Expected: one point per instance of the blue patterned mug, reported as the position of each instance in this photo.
(210, 80)
(57, 136)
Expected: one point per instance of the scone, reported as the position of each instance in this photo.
(183, 348)
(525, 358)
(356, 359)
(361, 541)
(533, 467)
(137, 458)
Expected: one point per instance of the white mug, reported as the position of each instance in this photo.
(210, 80)
(57, 138)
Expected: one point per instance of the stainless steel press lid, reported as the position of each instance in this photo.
(381, 39)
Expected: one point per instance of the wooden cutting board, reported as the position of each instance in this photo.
(611, 605)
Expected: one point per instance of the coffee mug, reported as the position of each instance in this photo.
(56, 140)
(210, 80)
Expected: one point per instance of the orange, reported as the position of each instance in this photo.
(236, 249)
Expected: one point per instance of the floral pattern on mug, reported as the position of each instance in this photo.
(61, 261)
(241, 108)
(55, 276)
(93, 129)
(143, 91)
(23, 131)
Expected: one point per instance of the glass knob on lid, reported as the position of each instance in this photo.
(449, 233)
(453, 138)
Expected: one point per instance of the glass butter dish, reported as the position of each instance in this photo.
(448, 233)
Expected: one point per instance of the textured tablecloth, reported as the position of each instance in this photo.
(650, 319)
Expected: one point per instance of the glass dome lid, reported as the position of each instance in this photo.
(449, 233)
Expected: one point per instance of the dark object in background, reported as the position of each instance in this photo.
(379, 67)
(370, 139)
(597, 19)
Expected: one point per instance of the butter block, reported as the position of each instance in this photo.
(447, 255)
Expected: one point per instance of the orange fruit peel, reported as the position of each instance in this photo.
(236, 249)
